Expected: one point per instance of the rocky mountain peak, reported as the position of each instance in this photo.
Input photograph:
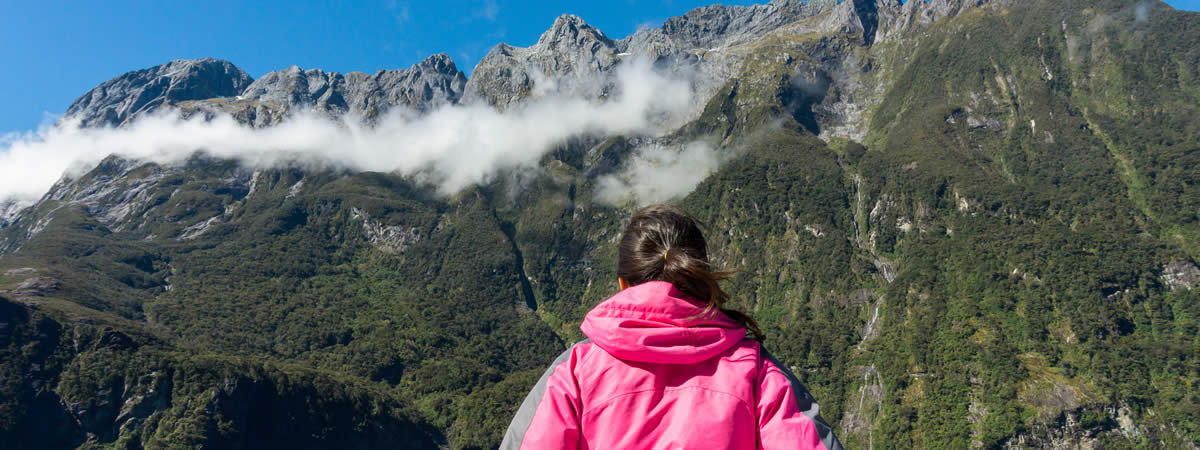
(433, 82)
(570, 51)
(119, 100)
(570, 30)
(893, 18)
(210, 86)
(439, 63)
(718, 25)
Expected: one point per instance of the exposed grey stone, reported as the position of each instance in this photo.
(36, 287)
(431, 83)
(119, 100)
(861, 417)
(23, 271)
(721, 26)
(386, 238)
(9, 209)
(830, 90)
(570, 53)
(566, 58)
(896, 19)
(121, 195)
(1180, 275)
(986, 122)
(709, 45)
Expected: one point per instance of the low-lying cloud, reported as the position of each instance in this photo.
(658, 173)
(454, 147)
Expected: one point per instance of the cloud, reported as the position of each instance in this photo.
(658, 173)
(647, 24)
(454, 146)
(10, 138)
(488, 10)
(399, 11)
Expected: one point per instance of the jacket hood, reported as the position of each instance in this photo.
(655, 322)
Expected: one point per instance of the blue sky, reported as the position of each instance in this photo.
(55, 51)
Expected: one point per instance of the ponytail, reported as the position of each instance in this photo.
(662, 243)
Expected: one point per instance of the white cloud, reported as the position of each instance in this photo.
(1142, 12)
(454, 146)
(488, 10)
(399, 11)
(657, 173)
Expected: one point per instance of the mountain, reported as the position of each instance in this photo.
(962, 223)
(120, 100)
(209, 86)
(434, 82)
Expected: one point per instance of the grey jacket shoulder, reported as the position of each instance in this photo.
(524, 417)
(807, 404)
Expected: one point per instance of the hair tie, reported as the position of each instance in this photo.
(665, 254)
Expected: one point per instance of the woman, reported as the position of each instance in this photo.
(665, 366)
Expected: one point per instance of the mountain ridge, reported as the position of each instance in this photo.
(265, 101)
(140, 91)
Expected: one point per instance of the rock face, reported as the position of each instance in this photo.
(8, 210)
(722, 26)
(894, 18)
(1180, 275)
(36, 287)
(434, 82)
(391, 239)
(829, 92)
(572, 57)
(121, 99)
(123, 195)
(573, 53)
(570, 53)
(209, 86)
(710, 45)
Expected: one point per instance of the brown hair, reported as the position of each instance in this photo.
(663, 243)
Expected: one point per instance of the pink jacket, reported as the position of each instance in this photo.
(653, 375)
